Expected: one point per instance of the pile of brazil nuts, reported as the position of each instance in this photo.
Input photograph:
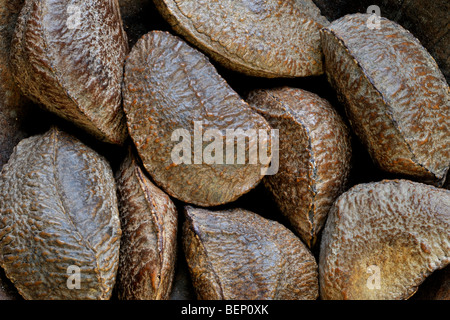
(224, 150)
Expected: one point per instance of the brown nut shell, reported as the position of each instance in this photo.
(170, 87)
(236, 254)
(426, 20)
(68, 56)
(314, 159)
(267, 38)
(396, 98)
(149, 236)
(382, 239)
(59, 219)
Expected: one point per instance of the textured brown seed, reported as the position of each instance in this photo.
(68, 56)
(236, 254)
(397, 99)
(14, 108)
(267, 38)
(427, 20)
(382, 239)
(170, 87)
(59, 216)
(315, 155)
(149, 234)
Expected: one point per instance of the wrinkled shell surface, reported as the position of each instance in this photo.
(427, 20)
(315, 155)
(397, 100)
(266, 38)
(68, 56)
(149, 235)
(168, 86)
(400, 227)
(58, 209)
(237, 254)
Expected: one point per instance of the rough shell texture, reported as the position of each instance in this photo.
(397, 99)
(58, 209)
(398, 227)
(314, 157)
(236, 254)
(14, 108)
(168, 86)
(268, 38)
(149, 235)
(427, 20)
(68, 56)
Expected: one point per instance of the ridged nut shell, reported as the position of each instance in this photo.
(59, 215)
(382, 239)
(426, 20)
(268, 38)
(238, 255)
(396, 98)
(168, 88)
(149, 236)
(314, 156)
(68, 56)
